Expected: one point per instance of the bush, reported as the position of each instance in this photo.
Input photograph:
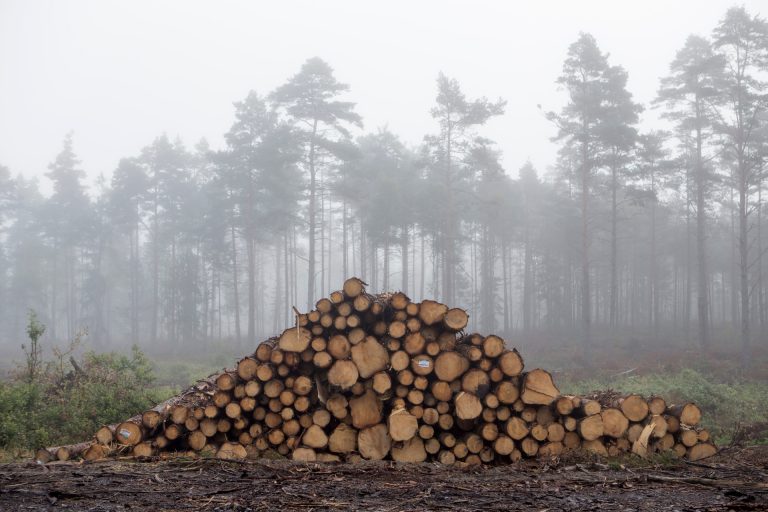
(20, 427)
(107, 388)
(58, 402)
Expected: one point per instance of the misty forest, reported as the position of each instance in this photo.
(655, 235)
(314, 286)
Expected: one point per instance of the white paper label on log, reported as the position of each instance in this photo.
(124, 433)
(423, 363)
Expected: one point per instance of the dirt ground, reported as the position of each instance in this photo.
(737, 479)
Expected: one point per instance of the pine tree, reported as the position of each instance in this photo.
(742, 41)
(69, 223)
(688, 93)
(582, 123)
(128, 191)
(457, 118)
(310, 99)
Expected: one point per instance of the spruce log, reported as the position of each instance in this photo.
(338, 346)
(456, 319)
(366, 410)
(657, 405)
(634, 407)
(476, 381)
(432, 312)
(229, 451)
(422, 365)
(449, 366)
(343, 374)
(689, 413)
(374, 442)
(493, 346)
(538, 388)
(591, 427)
(467, 406)
(294, 339)
(411, 450)
(615, 423)
(343, 439)
(304, 454)
(353, 287)
(701, 451)
(511, 363)
(315, 437)
(516, 428)
(402, 425)
(129, 433)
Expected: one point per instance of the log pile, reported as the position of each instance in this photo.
(381, 377)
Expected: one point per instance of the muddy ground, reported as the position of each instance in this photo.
(734, 480)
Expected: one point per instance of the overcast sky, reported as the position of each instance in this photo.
(120, 73)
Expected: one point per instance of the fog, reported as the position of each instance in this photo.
(172, 174)
(119, 74)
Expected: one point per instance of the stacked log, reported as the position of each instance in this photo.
(382, 377)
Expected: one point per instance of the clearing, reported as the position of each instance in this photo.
(736, 479)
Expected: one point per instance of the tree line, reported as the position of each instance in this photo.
(656, 233)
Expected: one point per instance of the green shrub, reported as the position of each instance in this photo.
(107, 388)
(20, 426)
(66, 401)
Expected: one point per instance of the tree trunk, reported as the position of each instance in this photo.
(703, 307)
(505, 271)
(385, 277)
(312, 212)
(404, 257)
(449, 238)
(585, 292)
(488, 292)
(278, 287)
(329, 263)
(171, 322)
(527, 280)
(321, 291)
(362, 252)
(614, 292)
(688, 268)
(286, 280)
(135, 283)
(155, 269)
(345, 241)
(759, 263)
(654, 295)
(251, 246)
(234, 283)
(744, 261)
(423, 264)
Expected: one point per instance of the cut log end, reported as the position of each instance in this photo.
(295, 339)
(432, 312)
(538, 388)
(353, 287)
(128, 433)
(456, 319)
(701, 451)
